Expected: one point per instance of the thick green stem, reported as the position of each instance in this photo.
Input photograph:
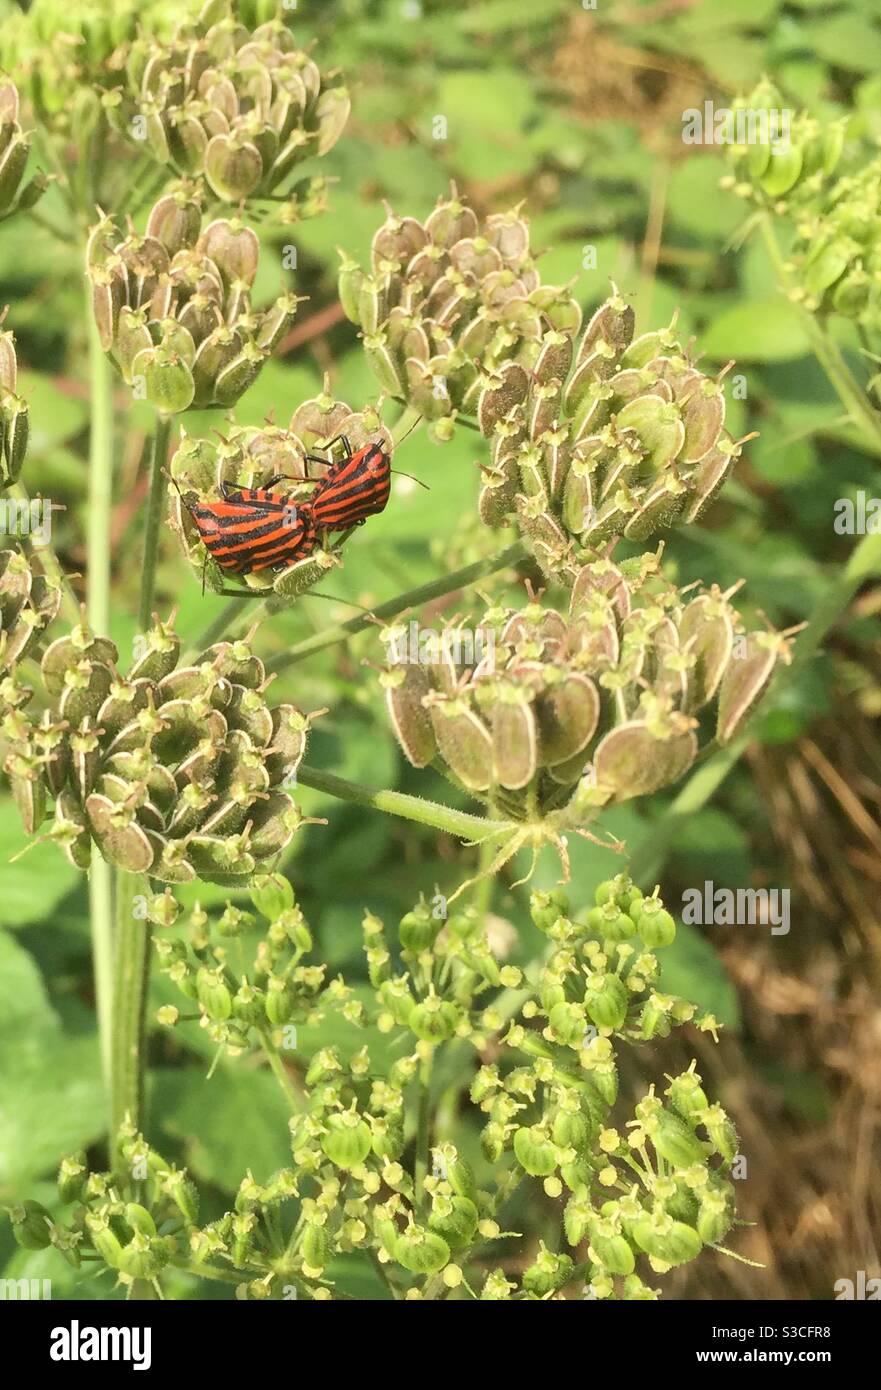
(424, 593)
(432, 813)
(295, 1096)
(98, 597)
(155, 509)
(423, 1132)
(100, 481)
(131, 963)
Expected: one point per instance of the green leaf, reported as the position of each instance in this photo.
(50, 1088)
(37, 882)
(758, 330)
(237, 1120)
(846, 39)
(55, 415)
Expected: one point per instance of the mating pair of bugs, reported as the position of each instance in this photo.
(251, 529)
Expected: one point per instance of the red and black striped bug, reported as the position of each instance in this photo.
(356, 486)
(254, 529)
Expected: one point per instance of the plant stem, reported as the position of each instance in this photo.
(415, 808)
(436, 588)
(282, 1075)
(423, 1132)
(98, 607)
(131, 963)
(155, 508)
(828, 353)
(100, 481)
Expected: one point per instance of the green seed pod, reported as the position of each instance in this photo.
(715, 1217)
(72, 1177)
(346, 1140)
(571, 1129)
(316, 1246)
(454, 1218)
(184, 1195)
(349, 285)
(271, 894)
(633, 760)
(139, 1219)
(606, 1001)
(31, 1225)
(546, 908)
(548, 1273)
(434, 1020)
(104, 1239)
(406, 686)
(213, 994)
(667, 1240)
(610, 1248)
(463, 741)
(421, 1251)
(418, 930)
(577, 1216)
(567, 1022)
(655, 925)
(687, 1095)
(723, 1135)
(279, 1002)
(746, 679)
(610, 922)
(675, 1142)
(535, 1151)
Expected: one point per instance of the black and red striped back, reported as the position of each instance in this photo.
(252, 529)
(355, 488)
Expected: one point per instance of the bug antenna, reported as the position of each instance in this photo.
(410, 476)
(417, 421)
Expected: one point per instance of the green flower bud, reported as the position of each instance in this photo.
(610, 922)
